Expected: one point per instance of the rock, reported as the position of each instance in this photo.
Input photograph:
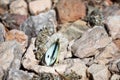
(117, 12)
(77, 66)
(19, 7)
(115, 77)
(70, 44)
(117, 42)
(45, 76)
(107, 54)
(54, 3)
(74, 30)
(4, 3)
(34, 24)
(19, 75)
(111, 11)
(44, 5)
(2, 32)
(19, 18)
(114, 65)
(2, 11)
(1, 73)
(99, 72)
(11, 54)
(13, 21)
(114, 26)
(92, 40)
(71, 73)
(88, 61)
(29, 60)
(108, 2)
(19, 36)
(16, 63)
(70, 12)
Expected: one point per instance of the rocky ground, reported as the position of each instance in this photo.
(88, 33)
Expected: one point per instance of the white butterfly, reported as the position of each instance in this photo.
(52, 53)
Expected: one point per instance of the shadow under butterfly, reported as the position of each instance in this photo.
(51, 55)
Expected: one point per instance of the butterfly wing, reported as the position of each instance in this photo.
(52, 53)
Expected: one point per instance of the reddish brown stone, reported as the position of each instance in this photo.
(19, 36)
(16, 35)
(70, 10)
(13, 21)
(2, 11)
(19, 18)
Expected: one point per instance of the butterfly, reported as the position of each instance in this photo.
(51, 54)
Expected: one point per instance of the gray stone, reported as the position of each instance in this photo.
(77, 66)
(74, 30)
(4, 3)
(2, 32)
(4, 6)
(99, 72)
(19, 36)
(35, 23)
(115, 77)
(114, 65)
(114, 26)
(72, 71)
(16, 63)
(29, 60)
(72, 33)
(1, 73)
(107, 54)
(90, 42)
(54, 3)
(88, 61)
(19, 75)
(111, 11)
(10, 55)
